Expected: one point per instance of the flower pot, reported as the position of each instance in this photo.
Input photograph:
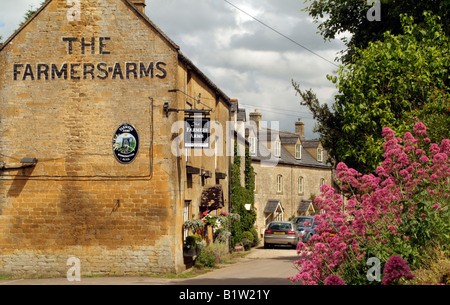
(192, 251)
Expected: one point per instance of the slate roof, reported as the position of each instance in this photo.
(242, 115)
(272, 206)
(304, 206)
(264, 154)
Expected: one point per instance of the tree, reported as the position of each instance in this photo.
(351, 16)
(394, 83)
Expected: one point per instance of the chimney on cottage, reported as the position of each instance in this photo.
(300, 128)
(256, 117)
(140, 5)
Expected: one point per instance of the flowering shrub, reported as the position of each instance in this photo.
(402, 209)
(211, 255)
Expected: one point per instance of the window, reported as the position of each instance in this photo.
(320, 155)
(216, 151)
(300, 185)
(298, 151)
(279, 183)
(322, 182)
(277, 149)
(253, 148)
(187, 153)
(186, 217)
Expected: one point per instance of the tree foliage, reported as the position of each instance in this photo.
(340, 16)
(394, 82)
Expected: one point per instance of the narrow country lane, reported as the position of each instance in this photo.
(260, 267)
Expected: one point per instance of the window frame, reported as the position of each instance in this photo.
(253, 145)
(319, 154)
(301, 185)
(277, 149)
(298, 151)
(279, 183)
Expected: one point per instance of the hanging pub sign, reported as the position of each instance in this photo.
(126, 144)
(196, 132)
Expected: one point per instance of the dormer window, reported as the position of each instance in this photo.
(320, 155)
(298, 151)
(253, 147)
(277, 149)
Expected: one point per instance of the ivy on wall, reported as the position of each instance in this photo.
(242, 195)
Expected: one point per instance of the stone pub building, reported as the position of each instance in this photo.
(91, 165)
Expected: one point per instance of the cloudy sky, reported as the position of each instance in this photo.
(244, 58)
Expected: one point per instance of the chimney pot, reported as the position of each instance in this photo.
(300, 129)
(256, 117)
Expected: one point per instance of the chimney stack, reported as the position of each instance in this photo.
(140, 5)
(300, 128)
(256, 117)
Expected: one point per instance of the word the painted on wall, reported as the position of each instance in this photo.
(88, 71)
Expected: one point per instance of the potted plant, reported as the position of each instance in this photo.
(193, 245)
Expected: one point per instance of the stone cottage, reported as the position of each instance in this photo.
(289, 171)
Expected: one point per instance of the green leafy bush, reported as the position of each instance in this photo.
(247, 240)
(212, 255)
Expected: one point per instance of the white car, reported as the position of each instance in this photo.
(281, 233)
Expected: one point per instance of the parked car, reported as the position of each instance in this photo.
(305, 225)
(281, 233)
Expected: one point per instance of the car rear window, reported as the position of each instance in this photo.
(304, 222)
(280, 226)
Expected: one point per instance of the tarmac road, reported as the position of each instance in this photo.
(260, 267)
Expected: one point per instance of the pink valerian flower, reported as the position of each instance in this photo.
(420, 129)
(434, 148)
(377, 207)
(334, 280)
(395, 269)
(424, 159)
(392, 229)
(445, 147)
(388, 133)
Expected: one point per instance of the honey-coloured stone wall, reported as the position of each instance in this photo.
(66, 86)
